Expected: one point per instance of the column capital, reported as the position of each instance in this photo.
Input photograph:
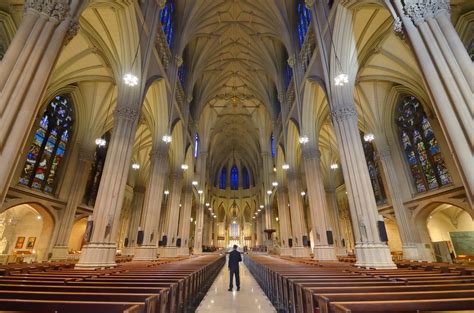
(344, 113)
(178, 174)
(420, 10)
(126, 113)
(71, 32)
(86, 154)
(309, 3)
(160, 151)
(291, 61)
(283, 189)
(310, 152)
(179, 60)
(398, 28)
(161, 3)
(54, 9)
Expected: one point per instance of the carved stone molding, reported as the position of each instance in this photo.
(343, 114)
(86, 155)
(161, 3)
(126, 113)
(55, 9)
(309, 3)
(159, 152)
(179, 60)
(420, 10)
(311, 153)
(291, 61)
(71, 32)
(398, 28)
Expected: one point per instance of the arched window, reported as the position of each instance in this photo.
(93, 182)
(288, 71)
(49, 144)
(223, 179)
(234, 178)
(196, 146)
(245, 178)
(304, 19)
(167, 19)
(374, 171)
(420, 145)
(272, 145)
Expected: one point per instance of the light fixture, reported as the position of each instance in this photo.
(334, 166)
(261, 206)
(369, 137)
(276, 218)
(100, 142)
(341, 79)
(38, 217)
(166, 138)
(195, 183)
(130, 79)
(200, 191)
(166, 192)
(195, 222)
(304, 140)
(184, 167)
(210, 209)
(285, 166)
(207, 204)
(303, 193)
(253, 217)
(136, 166)
(234, 222)
(269, 192)
(274, 184)
(191, 219)
(259, 210)
(214, 216)
(180, 205)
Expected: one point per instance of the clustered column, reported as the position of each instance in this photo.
(134, 223)
(317, 203)
(173, 215)
(185, 220)
(284, 220)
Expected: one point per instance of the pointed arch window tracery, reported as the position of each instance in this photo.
(234, 178)
(304, 19)
(245, 178)
(374, 171)
(167, 19)
(223, 178)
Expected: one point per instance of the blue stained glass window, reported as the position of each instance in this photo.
(288, 75)
(234, 178)
(374, 171)
(245, 178)
(49, 145)
(223, 178)
(167, 19)
(196, 146)
(421, 148)
(303, 21)
(273, 145)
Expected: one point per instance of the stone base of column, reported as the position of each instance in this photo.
(411, 253)
(341, 251)
(269, 244)
(300, 252)
(59, 253)
(324, 253)
(169, 252)
(197, 251)
(128, 251)
(183, 251)
(425, 252)
(97, 255)
(286, 251)
(145, 253)
(374, 255)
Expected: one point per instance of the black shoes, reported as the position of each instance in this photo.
(238, 288)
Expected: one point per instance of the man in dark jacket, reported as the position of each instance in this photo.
(234, 259)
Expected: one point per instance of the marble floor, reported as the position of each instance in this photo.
(249, 299)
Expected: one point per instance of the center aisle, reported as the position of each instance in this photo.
(249, 299)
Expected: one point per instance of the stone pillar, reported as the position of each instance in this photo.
(258, 222)
(101, 249)
(152, 205)
(337, 220)
(413, 248)
(284, 220)
(321, 223)
(134, 223)
(82, 171)
(447, 70)
(298, 224)
(185, 220)
(198, 229)
(25, 68)
(369, 250)
(172, 219)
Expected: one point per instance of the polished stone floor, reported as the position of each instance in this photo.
(249, 299)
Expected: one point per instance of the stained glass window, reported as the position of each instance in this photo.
(273, 146)
(421, 148)
(304, 19)
(374, 171)
(182, 75)
(49, 145)
(245, 178)
(196, 146)
(93, 182)
(223, 179)
(167, 19)
(288, 74)
(234, 178)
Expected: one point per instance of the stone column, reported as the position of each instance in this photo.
(298, 224)
(185, 220)
(321, 223)
(370, 251)
(173, 215)
(152, 205)
(25, 68)
(284, 220)
(259, 228)
(101, 249)
(447, 70)
(82, 171)
(337, 220)
(413, 248)
(199, 227)
(134, 223)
